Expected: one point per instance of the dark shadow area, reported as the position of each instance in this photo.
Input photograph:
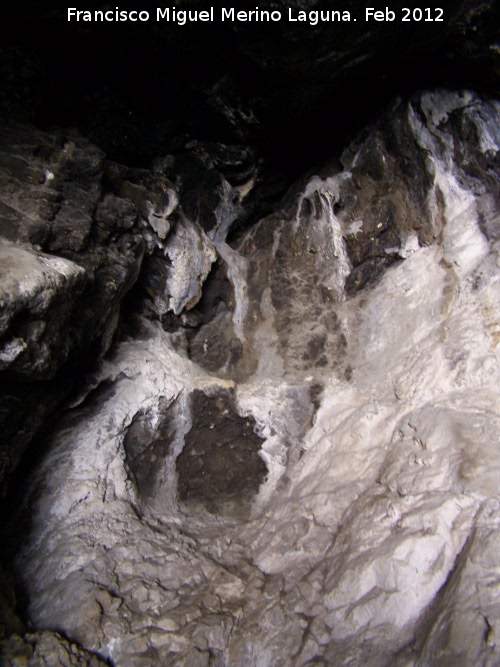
(220, 459)
(296, 92)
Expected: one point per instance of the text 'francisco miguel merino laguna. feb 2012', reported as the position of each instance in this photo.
(231, 15)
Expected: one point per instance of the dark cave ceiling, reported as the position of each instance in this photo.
(294, 91)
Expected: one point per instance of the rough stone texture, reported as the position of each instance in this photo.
(37, 295)
(335, 235)
(220, 458)
(45, 649)
(146, 444)
(68, 255)
(373, 538)
(74, 231)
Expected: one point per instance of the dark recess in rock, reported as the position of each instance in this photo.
(146, 446)
(213, 347)
(220, 459)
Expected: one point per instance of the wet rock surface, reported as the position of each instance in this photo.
(344, 507)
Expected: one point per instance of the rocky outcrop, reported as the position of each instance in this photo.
(340, 360)
(45, 648)
(77, 232)
(68, 255)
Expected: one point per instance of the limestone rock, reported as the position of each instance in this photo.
(37, 293)
(54, 183)
(68, 257)
(362, 402)
(220, 458)
(45, 648)
(191, 256)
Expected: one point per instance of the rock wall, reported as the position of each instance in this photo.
(68, 255)
(294, 458)
(77, 233)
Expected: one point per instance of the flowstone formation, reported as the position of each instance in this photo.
(294, 459)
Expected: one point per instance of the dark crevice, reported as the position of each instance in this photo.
(220, 459)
